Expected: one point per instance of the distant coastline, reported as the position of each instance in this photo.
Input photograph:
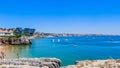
(20, 36)
(42, 35)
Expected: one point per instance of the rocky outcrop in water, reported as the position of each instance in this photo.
(32, 63)
(15, 41)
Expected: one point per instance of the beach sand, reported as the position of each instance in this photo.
(8, 51)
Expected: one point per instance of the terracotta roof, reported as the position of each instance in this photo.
(6, 31)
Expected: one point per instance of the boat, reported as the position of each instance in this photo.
(66, 40)
(75, 45)
(58, 40)
(53, 40)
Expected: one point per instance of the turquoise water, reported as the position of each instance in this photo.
(70, 49)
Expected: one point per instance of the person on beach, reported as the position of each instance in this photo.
(0, 56)
(3, 54)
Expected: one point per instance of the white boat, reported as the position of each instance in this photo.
(53, 40)
(75, 45)
(58, 40)
(66, 40)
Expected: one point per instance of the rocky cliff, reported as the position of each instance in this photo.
(15, 41)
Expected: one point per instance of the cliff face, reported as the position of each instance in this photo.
(15, 41)
(32, 63)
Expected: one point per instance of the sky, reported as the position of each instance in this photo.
(62, 16)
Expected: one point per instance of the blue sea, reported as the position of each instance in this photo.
(70, 49)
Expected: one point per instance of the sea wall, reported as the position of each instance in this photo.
(15, 41)
(110, 63)
(31, 63)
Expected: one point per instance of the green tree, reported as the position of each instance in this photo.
(24, 33)
(16, 33)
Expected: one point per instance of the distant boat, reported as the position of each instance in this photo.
(58, 40)
(66, 40)
(53, 40)
(75, 45)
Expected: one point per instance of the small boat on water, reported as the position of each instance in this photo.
(66, 40)
(53, 40)
(58, 40)
(75, 45)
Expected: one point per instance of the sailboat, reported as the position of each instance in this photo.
(53, 40)
(58, 40)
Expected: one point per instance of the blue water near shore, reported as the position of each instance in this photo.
(70, 49)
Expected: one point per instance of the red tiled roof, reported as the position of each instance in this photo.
(6, 31)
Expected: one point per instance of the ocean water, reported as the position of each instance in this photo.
(70, 49)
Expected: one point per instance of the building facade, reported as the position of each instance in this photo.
(6, 32)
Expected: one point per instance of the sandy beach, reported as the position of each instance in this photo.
(7, 51)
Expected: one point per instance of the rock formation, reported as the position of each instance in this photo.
(31, 63)
(15, 41)
(111, 63)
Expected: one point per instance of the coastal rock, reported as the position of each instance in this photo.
(111, 63)
(32, 62)
(15, 41)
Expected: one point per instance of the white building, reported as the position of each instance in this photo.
(6, 32)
